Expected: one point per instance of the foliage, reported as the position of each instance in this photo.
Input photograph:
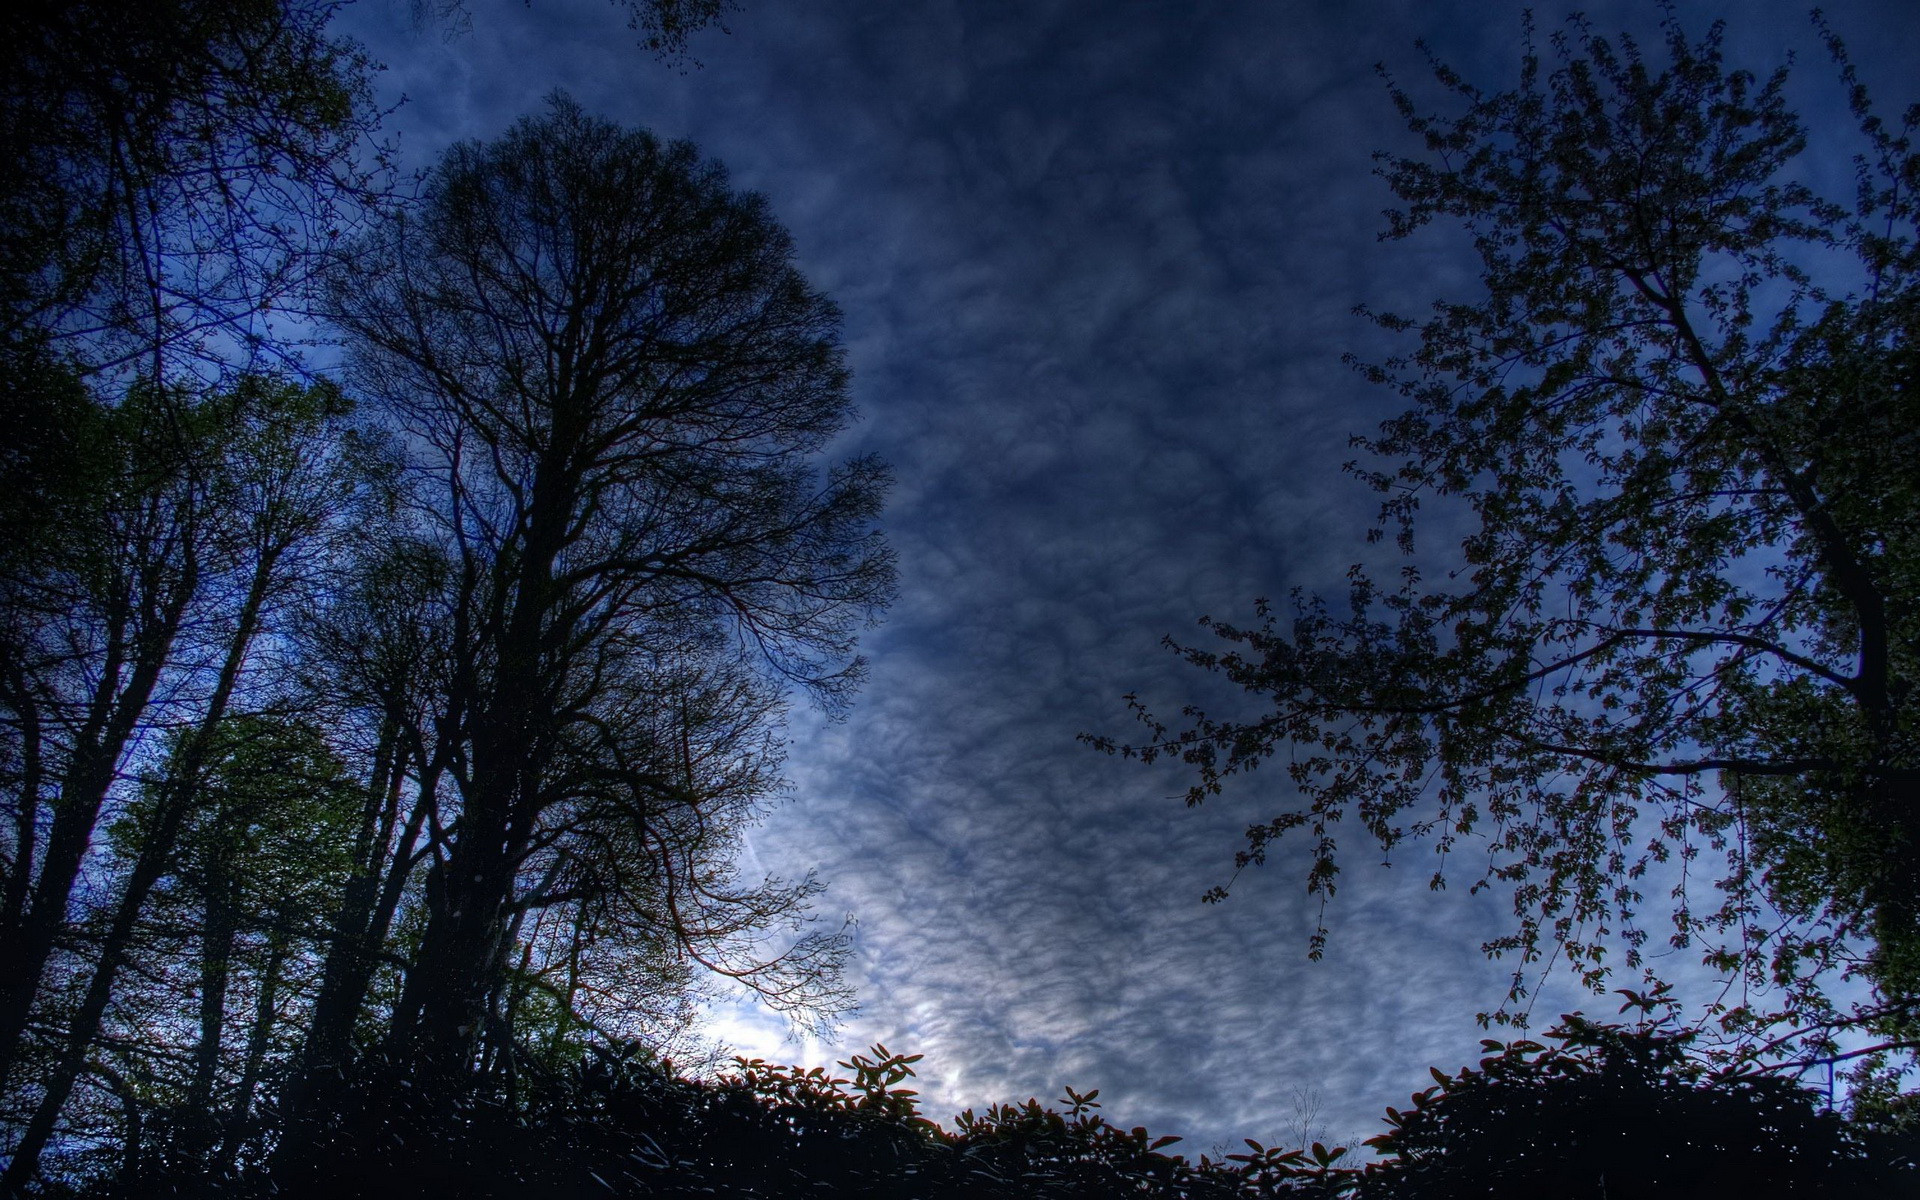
(195, 162)
(225, 941)
(621, 1121)
(1619, 1111)
(1608, 1111)
(1686, 623)
(614, 384)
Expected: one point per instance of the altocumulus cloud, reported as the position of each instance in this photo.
(1097, 263)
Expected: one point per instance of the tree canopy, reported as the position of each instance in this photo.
(615, 382)
(194, 165)
(1682, 637)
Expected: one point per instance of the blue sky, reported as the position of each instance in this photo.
(1097, 263)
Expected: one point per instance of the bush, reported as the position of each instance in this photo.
(1606, 1112)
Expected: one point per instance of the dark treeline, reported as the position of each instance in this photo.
(376, 745)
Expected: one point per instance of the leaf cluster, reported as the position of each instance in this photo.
(1674, 658)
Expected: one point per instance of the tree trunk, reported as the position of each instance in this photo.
(258, 1038)
(217, 936)
(449, 985)
(359, 933)
(19, 697)
(460, 957)
(156, 853)
(93, 765)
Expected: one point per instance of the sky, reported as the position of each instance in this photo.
(1098, 264)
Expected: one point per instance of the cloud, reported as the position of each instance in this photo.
(1097, 263)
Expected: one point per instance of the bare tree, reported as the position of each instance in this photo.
(615, 384)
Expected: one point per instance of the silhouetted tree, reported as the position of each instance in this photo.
(1621, 1111)
(193, 164)
(199, 523)
(614, 383)
(164, 505)
(1683, 414)
(180, 171)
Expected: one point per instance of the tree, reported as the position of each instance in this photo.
(197, 524)
(1621, 1111)
(163, 534)
(194, 163)
(217, 974)
(1683, 417)
(616, 384)
(260, 867)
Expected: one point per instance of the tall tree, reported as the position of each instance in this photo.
(1683, 414)
(617, 385)
(192, 164)
(95, 601)
(218, 972)
(191, 560)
